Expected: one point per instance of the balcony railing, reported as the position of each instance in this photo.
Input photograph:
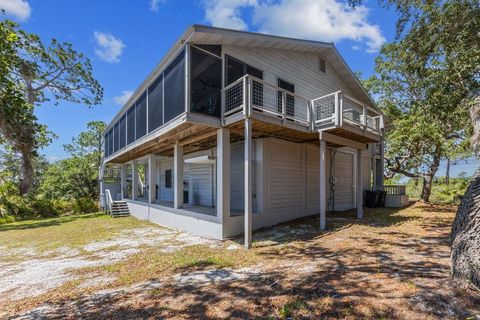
(333, 110)
(339, 108)
(250, 93)
(395, 190)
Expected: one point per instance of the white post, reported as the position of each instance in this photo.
(223, 175)
(134, 180)
(152, 169)
(248, 182)
(178, 176)
(322, 181)
(359, 189)
(382, 162)
(123, 179)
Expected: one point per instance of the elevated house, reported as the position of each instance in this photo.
(234, 131)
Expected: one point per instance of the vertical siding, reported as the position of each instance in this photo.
(366, 172)
(165, 194)
(201, 185)
(237, 181)
(344, 180)
(299, 68)
(286, 176)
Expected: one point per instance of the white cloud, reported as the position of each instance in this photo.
(154, 4)
(108, 47)
(123, 98)
(17, 8)
(227, 13)
(323, 20)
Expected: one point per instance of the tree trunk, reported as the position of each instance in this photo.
(447, 173)
(465, 237)
(426, 188)
(428, 179)
(465, 256)
(26, 182)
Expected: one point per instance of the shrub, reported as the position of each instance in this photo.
(85, 205)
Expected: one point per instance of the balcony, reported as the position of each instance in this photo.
(335, 113)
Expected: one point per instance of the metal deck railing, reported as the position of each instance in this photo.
(249, 94)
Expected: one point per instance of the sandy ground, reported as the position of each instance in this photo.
(393, 265)
(32, 273)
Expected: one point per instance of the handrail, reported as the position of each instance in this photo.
(396, 190)
(250, 93)
(108, 200)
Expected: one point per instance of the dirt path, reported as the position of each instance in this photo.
(393, 265)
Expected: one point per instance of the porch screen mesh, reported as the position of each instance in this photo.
(206, 82)
(174, 78)
(155, 104)
(110, 142)
(116, 140)
(123, 131)
(141, 117)
(131, 125)
(105, 145)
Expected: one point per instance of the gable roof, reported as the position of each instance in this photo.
(201, 34)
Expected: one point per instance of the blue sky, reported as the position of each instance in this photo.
(126, 39)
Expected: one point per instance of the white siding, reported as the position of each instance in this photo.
(343, 174)
(201, 184)
(299, 68)
(237, 181)
(287, 172)
(166, 194)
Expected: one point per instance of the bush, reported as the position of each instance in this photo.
(85, 205)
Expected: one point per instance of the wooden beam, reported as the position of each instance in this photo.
(337, 140)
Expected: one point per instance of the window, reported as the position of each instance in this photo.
(116, 140)
(289, 99)
(237, 69)
(206, 82)
(141, 117)
(155, 104)
(174, 86)
(322, 65)
(131, 125)
(168, 179)
(212, 48)
(123, 131)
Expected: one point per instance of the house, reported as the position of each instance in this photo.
(235, 131)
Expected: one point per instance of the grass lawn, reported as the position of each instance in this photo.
(72, 231)
(394, 264)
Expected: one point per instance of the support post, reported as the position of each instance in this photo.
(178, 175)
(382, 162)
(248, 182)
(152, 169)
(359, 189)
(322, 181)
(223, 176)
(123, 179)
(134, 180)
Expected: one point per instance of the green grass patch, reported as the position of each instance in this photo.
(72, 231)
(152, 262)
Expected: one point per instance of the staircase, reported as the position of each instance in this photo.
(119, 209)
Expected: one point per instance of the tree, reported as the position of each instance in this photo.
(88, 142)
(444, 34)
(30, 74)
(424, 82)
(77, 176)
